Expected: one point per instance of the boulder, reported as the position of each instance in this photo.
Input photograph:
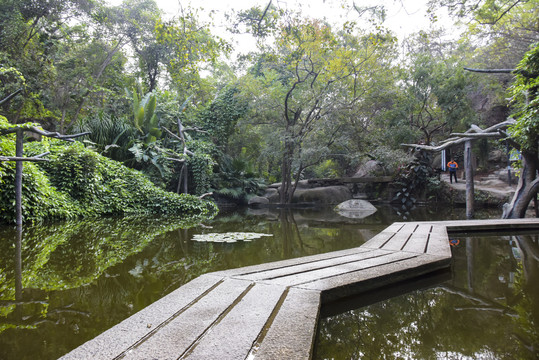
(258, 201)
(503, 175)
(328, 195)
(302, 184)
(370, 168)
(355, 209)
(304, 194)
(272, 194)
(497, 156)
(436, 162)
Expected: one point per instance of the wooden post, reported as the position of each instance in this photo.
(469, 179)
(508, 163)
(18, 176)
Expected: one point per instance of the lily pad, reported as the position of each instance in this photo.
(229, 237)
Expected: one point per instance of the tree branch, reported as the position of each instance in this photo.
(15, 158)
(491, 71)
(262, 17)
(10, 96)
(46, 133)
(474, 132)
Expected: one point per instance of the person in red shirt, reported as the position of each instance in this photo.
(453, 166)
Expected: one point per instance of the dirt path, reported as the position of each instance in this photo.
(490, 184)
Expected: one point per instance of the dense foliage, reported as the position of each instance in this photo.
(77, 181)
(313, 97)
(525, 97)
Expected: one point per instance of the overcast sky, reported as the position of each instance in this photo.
(403, 16)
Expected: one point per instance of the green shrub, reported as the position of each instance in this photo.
(40, 199)
(108, 187)
(326, 169)
(79, 182)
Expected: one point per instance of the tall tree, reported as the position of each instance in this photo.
(503, 29)
(525, 98)
(435, 98)
(310, 75)
(29, 35)
(188, 47)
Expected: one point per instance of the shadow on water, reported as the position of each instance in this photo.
(489, 309)
(64, 283)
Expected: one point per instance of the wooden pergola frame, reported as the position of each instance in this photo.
(474, 133)
(19, 158)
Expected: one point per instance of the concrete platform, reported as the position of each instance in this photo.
(270, 311)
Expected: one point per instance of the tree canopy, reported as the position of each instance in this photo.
(176, 98)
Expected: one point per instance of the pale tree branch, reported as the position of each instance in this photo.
(474, 132)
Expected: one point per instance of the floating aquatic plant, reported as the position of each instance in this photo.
(229, 237)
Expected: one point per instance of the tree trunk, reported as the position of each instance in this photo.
(528, 184)
(469, 180)
(96, 77)
(286, 193)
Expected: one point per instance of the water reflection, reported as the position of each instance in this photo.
(488, 310)
(65, 283)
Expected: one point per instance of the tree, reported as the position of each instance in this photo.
(435, 93)
(29, 35)
(311, 74)
(525, 132)
(504, 28)
(509, 28)
(500, 33)
(188, 46)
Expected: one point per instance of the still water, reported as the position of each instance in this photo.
(67, 282)
(489, 309)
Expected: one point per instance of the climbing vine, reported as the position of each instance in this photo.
(77, 182)
(415, 181)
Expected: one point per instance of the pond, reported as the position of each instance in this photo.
(489, 309)
(68, 282)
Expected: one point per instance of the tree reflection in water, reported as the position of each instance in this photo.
(488, 310)
(65, 283)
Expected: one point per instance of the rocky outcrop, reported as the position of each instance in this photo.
(329, 195)
(305, 194)
(258, 201)
(370, 168)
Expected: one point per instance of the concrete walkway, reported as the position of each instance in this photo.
(270, 311)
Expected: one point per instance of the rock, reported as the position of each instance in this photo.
(274, 186)
(258, 201)
(272, 194)
(504, 176)
(302, 184)
(370, 168)
(355, 209)
(436, 162)
(328, 195)
(497, 156)
(323, 195)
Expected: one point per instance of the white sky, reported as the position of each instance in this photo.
(403, 16)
